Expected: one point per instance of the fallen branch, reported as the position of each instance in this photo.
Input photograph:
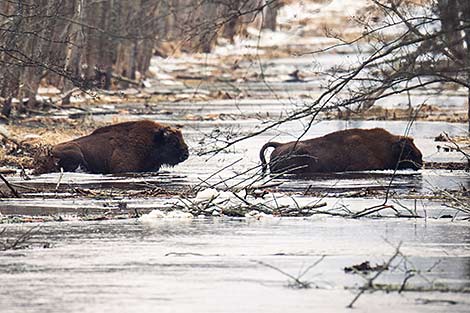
(18, 242)
(373, 209)
(370, 282)
(13, 190)
(296, 281)
(183, 254)
(66, 95)
(458, 148)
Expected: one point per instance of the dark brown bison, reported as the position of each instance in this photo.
(139, 146)
(347, 150)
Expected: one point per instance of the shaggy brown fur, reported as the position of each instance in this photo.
(347, 150)
(139, 146)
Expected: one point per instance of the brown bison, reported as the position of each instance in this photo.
(139, 146)
(347, 150)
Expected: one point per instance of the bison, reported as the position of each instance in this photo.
(138, 146)
(346, 150)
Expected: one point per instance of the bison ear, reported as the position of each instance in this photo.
(159, 136)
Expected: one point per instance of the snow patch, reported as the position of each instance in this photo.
(159, 214)
(346, 7)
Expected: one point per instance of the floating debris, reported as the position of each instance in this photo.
(365, 268)
(212, 202)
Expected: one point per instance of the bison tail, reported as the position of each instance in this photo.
(264, 164)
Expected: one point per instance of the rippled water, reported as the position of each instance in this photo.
(212, 265)
(199, 170)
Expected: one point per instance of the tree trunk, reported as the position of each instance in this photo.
(85, 43)
(270, 15)
(76, 42)
(449, 13)
(465, 5)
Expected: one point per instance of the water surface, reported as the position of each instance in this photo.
(212, 265)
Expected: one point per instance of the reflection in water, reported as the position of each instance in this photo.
(149, 190)
(189, 265)
(206, 265)
(353, 181)
(196, 167)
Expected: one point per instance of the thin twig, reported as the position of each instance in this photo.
(370, 283)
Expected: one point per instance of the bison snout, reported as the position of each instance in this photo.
(184, 155)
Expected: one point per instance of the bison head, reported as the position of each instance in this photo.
(44, 161)
(407, 154)
(170, 148)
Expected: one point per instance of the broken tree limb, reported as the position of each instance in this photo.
(15, 193)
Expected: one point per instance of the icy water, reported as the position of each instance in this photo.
(222, 264)
(213, 265)
(239, 164)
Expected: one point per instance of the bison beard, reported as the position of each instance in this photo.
(348, 150)
(139, 146)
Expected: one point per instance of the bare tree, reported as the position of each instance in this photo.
(430, 48)
(93, 44)
(412, 45)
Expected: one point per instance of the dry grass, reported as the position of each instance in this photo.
(30, 135)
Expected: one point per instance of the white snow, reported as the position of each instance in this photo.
(159, 214)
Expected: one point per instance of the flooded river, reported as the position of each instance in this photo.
(238, 165)
(222, 264)
(213, 265)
